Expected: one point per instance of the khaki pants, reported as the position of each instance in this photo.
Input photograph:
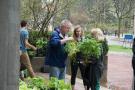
(24, 59)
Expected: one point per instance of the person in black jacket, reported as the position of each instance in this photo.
(78, 63)
(94, 67)
(133, 63)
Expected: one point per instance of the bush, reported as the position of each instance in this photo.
(39, 83)
(40, 42)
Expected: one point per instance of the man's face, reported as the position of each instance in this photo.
(65, 29)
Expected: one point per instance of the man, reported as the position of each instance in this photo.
(24, 44)
(56, 55)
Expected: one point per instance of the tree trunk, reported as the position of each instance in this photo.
(119, 27)
(9, 43)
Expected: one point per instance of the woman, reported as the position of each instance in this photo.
(78, 63)
(94, 69)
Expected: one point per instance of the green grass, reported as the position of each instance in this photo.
(117, 48)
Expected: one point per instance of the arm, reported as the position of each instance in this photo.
(63, 41)
(29, 45)
(55, 40)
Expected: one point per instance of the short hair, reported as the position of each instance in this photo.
(23, 23)
(97, 34)
(66, 22)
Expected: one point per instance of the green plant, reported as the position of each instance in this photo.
(90, 48)
(40, 43)
(24, 86)
(64, 86)
(56, 84)
(72, 48)
(33, 36)
(53, 83)
(37, 82)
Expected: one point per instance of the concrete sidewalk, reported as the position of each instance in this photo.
(79, 84)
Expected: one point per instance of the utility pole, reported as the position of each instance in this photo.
(9, 44)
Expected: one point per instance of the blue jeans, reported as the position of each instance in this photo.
(57, 72)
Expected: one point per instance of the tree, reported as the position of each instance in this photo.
(99, 12)
(123, 9)
(40, 12)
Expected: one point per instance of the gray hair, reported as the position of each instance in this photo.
(66, 22)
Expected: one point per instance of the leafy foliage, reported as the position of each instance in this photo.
(72, 48)
(54, 83)
(90, 48)
(23, 86)
(39, 83)
(40, 43)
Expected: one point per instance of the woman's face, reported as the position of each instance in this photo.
(78, 32)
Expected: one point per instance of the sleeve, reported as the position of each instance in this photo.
(26, 35)
(105, 47)
(133, 46)
(55, 40)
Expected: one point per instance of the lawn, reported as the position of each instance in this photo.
(117, 48)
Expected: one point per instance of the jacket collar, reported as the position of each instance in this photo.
(61, 35)
(57, 29)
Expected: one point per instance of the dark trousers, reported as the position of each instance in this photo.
(74, 69)
(93, 74)
(133, 65)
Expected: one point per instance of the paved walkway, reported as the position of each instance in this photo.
(119, 67)
(120, 71)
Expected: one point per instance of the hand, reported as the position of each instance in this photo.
(66, 40)
(70, 39)
(34, 48)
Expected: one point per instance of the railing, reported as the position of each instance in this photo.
(128, 39)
